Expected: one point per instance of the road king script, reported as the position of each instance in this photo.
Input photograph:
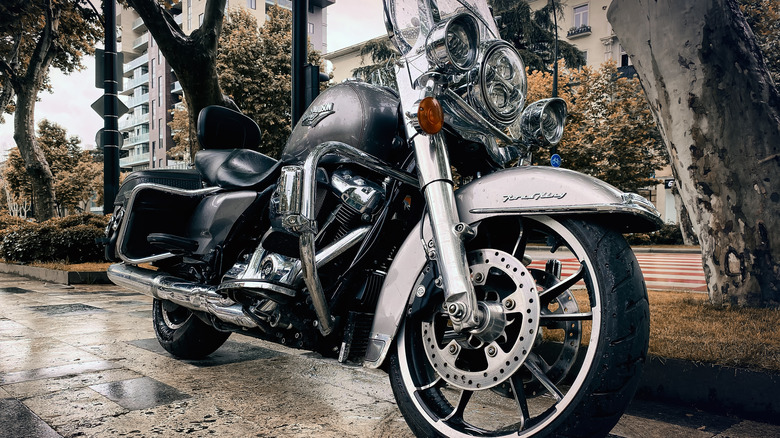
(534, 197)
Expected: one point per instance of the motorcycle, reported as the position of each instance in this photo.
(511, 305)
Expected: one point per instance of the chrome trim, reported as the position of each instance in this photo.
(478, 118)
(194, 296)
(438, 49)
(532, 122)
(121, 243)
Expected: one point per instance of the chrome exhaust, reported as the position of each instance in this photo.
(185, 293)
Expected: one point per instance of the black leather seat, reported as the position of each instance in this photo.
(236, 168)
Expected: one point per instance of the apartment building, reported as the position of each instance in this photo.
(151, 88)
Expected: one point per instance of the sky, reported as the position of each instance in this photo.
(349, 22)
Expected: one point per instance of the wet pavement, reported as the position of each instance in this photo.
(84, 361)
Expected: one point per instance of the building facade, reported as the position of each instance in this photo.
(151, 88)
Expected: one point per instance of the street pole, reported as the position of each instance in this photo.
(110, 116)
(299, 49)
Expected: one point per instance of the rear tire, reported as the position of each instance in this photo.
(434, 374)
(182, 333)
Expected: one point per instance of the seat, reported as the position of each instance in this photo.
(236, 168)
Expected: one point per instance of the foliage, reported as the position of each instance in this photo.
(610, 131)
(763, 16)
(34, 36)
(533, 33)
(182, 131)
(669, 234)
(74, 239)
(77, 176)
(380, 71)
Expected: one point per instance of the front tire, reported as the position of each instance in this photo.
(182, 333)
(563, 382)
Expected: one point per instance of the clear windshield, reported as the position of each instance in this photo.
(409, 21)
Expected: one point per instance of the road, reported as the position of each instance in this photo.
(84, 361)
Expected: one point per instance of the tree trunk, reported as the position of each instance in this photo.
(719, 114)
(34, 159)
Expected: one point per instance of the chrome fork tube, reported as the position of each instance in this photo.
(437, 187)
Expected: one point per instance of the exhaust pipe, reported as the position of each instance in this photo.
(193, 296)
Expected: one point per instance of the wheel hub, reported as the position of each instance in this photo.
(494, 351)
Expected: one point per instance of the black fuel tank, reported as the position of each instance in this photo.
(356, 113)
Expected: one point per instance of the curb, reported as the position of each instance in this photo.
(725, 390)
(639, 249)
(55, 275)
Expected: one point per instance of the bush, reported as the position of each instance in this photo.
(669, 234)
(72, 239)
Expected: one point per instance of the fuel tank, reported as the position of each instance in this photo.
(361, 115)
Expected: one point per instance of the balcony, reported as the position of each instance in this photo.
(141, 43)
(134, 160)
(576, 32)
(133, 120)
(176, 88)
(139, 25)
(137, 62)
(132, 83)
(136, 140)
(138, 99)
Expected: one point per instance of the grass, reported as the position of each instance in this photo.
(683, 325)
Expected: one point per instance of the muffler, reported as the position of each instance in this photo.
(191, 295)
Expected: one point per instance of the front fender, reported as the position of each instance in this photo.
(525, 191)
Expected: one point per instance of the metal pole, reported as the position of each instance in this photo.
(110, 110)
(299, 49)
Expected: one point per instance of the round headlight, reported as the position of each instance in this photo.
(544, 120)
(503, 82)
(453, 43)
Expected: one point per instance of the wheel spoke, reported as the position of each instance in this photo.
(463, 400)
(582, 316)
(542, 377)
(539, 361)
(436, 382)
(522, 401)
(522, 239)
(549, 294)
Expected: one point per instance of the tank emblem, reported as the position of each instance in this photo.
(534, 197)
(316, 114)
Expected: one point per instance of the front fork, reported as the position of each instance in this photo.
(449, 252)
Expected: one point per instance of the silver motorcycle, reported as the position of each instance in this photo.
(508, 306)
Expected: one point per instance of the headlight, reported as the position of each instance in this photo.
(502, 84)
(453, 43)
(544, 120)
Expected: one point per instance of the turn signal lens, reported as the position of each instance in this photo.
(430, 115)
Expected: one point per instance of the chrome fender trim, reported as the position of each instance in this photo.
(526, 191)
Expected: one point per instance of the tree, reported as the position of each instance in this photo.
(719, 114)
(533, 33)
(254, 66)
(380, 71)
(38, 34)
(763, 16)
(193, 57)
(77, 177)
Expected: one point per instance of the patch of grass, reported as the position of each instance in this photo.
(686, 326)
(73, 267)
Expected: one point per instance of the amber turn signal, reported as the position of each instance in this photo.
(430, 115)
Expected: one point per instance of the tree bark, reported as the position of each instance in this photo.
(719, 114)
(193, 57)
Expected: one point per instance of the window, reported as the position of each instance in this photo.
(625, 61)
(200, 20)
(161, 128)
(581, 16)
(311, 28)
(152, 113)
(189, 14)
(159, 90)
(251, 4)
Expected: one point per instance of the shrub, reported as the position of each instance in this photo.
(72, 239)
(669, 234)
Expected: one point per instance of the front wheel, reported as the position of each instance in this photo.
(562, 346)
(182, 333)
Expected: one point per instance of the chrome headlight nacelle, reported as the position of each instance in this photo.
(544, 119)
(501, 88)
(452, 44)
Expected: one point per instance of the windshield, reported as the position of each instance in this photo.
(409, 21)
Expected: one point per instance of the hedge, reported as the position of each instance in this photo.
(72, 239)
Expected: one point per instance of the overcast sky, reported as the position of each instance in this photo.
(349, 22)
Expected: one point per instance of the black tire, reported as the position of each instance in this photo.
(182, 333)
(595, 385)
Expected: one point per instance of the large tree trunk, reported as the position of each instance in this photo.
(34, 159)
(719, 114)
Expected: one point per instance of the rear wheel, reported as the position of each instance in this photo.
(183, 334)
(561, 351)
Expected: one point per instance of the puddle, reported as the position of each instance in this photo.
(13, 290)
(65, 309)
(140, 393)
(230, 352)
(58, 371)
(18, 420)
